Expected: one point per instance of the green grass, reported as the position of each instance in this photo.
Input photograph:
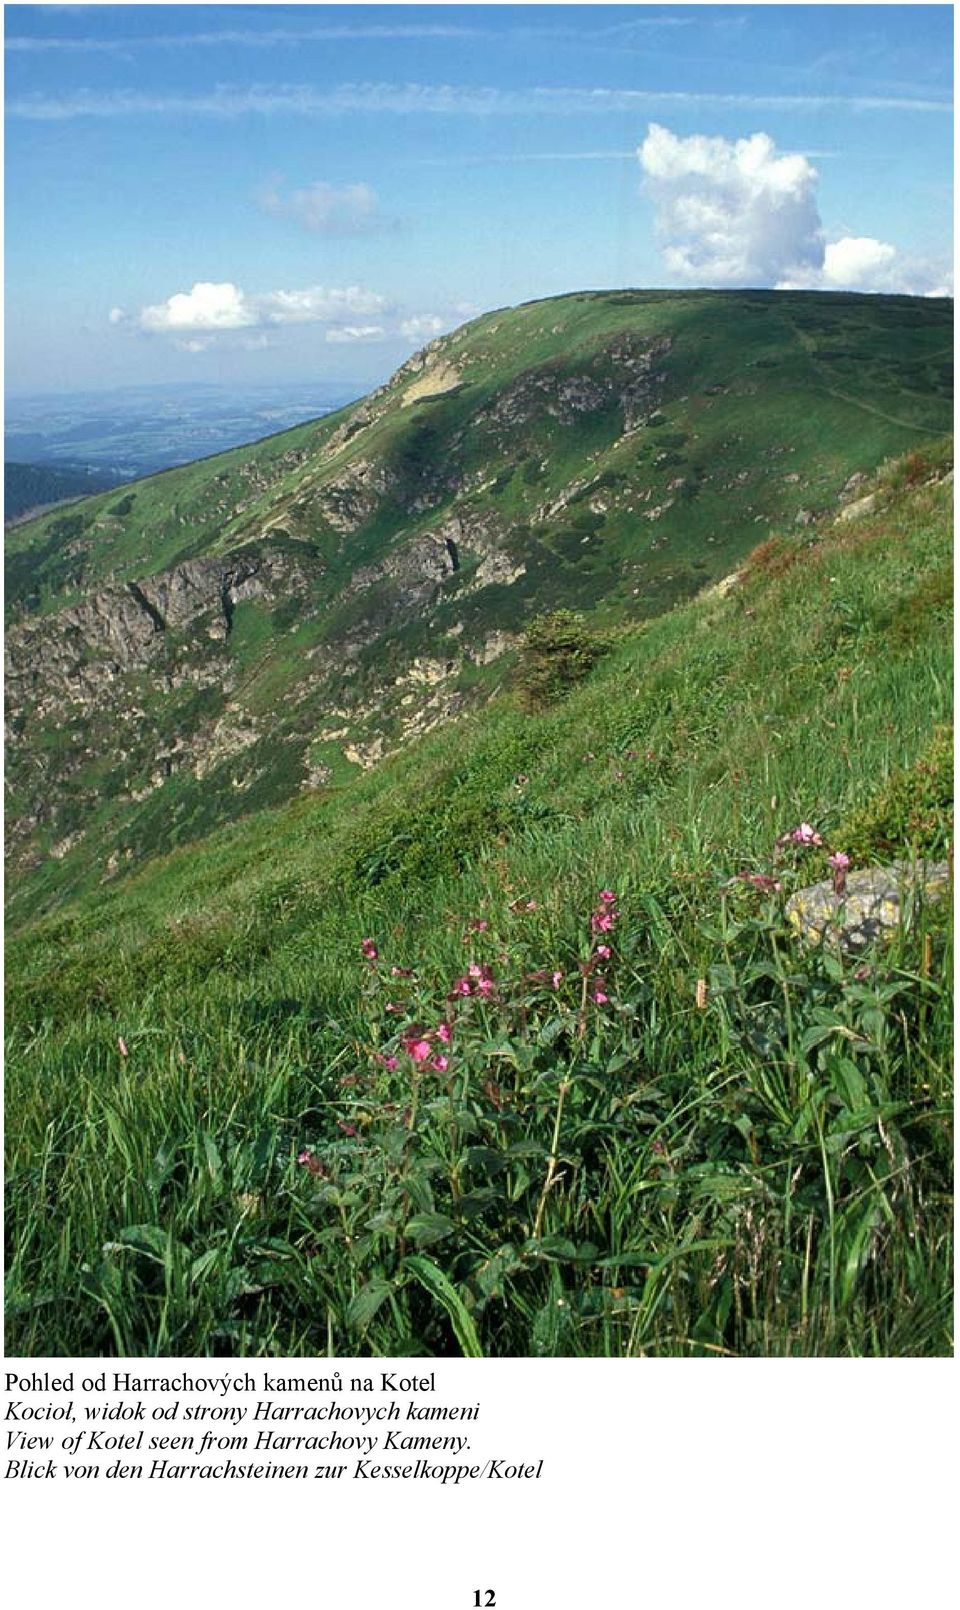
(770, 1174)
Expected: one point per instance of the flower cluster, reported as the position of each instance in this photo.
(477, 980)
(606, 915)
(418, 1044)
(805, 836)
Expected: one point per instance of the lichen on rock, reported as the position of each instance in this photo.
(875, 901)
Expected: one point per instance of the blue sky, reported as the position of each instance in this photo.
(233, 193)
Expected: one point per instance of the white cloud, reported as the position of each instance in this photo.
(326, 209)
(423, 326)
(116, 315)
(198, 343)
(732, 212)
(738, 212)
(210, 308)
(356, 332)
(316, 305)
(206, 307)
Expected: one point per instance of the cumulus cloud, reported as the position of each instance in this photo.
(211, 308)
(423, 327)
(356, 332)
(323, 208)
(732, 212)
(738, 212)
(206, 307)
(860, 263)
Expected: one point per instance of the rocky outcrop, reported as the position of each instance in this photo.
(416, 568)
(437, 379)
(74, 656)
(419, 565)
(639, 359)
(874, 902)
(857, 509)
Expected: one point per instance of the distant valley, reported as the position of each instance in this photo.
(137, 431)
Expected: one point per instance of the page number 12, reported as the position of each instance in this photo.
(484, 1598)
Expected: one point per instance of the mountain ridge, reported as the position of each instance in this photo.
(279, 616)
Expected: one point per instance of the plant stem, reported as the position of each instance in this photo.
(553, 1160)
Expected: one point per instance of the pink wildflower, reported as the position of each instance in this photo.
(604, 951)
(602, 922)
(557, 979)
(349, 1130)
(440, 1064)
(390, 1063)
(418, 1049)
(485, 986)
(600, 998)
(805, 834)
(608, 897)
(475, 970)
(840, 862)
(309, 1160)
(445, 1033)
(462, 986)
(369, 949)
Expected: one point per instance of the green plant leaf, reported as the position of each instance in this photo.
(433, 1280)
(367, 1302)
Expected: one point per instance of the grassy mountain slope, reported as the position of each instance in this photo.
(766, 1170)
(224, 635)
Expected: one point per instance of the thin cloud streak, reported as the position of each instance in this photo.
(332, 32)
(303, 100)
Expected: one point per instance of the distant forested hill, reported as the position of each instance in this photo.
(34, 486)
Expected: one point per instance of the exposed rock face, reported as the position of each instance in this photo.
(417, 568)
(435, 380)
(875, 901)
(857, 509)
(645, 383)
(73, 657)
(348, 501)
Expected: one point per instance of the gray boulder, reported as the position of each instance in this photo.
(875, 901)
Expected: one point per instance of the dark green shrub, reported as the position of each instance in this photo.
(913, 810)
(558, 651)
